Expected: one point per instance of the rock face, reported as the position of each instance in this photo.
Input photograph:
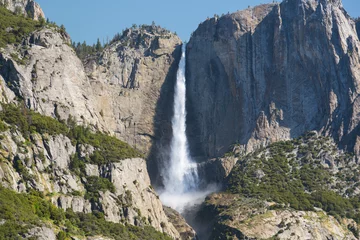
(133, 81)
(42, 233)
(27, 7)
(123, 91)
(239, 218)
(273, 72)
(126, 91)
(46, 162)
(186, 232)
(133, 188)
(52, 80)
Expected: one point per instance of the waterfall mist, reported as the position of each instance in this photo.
(181, 181)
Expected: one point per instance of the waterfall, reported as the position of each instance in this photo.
(180, 174)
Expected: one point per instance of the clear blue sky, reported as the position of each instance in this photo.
(91, 19)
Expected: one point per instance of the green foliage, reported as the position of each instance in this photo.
(108, 149)
(14, 27)
(29, 121)
(62, 236)
(23, 211)
(83, 50)
(3, 126)
(77, 165)
(21, 169)
(95, 184)
(14, 115)
(45, 124)
(92, 225)
(297, 178)
(16, 58)
(12, 230)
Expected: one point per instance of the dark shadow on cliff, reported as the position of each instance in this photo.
(159, 152)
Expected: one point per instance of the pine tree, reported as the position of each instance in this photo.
(98, 46)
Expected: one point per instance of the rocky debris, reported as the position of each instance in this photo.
(92, 170)
(186, 231)
(28, 8)
(239, 218)
(271, 73)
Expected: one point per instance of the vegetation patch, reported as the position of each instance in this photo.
(21, 212)
(107, 148)
(303, 173)
(14, 27)
(28, 121)
(94, 185)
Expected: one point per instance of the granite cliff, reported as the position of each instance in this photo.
(116, 92)
(76, 132)
(264, 75)
(271, 73)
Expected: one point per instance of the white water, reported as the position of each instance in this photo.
(180, 175)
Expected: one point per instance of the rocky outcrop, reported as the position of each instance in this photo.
(43, 164)
(133, 81)
(28, 8)
(117, 92)
(288, 190)
(185, 230)
(50, 79)
(239, 218)
(273, 72)
(140, 203)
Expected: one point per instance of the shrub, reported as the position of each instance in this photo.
(95, 184)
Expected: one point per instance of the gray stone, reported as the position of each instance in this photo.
(41, 233)
(91, 170)
(26, 7)
(273, 72)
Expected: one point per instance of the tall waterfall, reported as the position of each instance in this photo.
(180, 175)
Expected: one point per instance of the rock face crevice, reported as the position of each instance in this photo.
(270, 73)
